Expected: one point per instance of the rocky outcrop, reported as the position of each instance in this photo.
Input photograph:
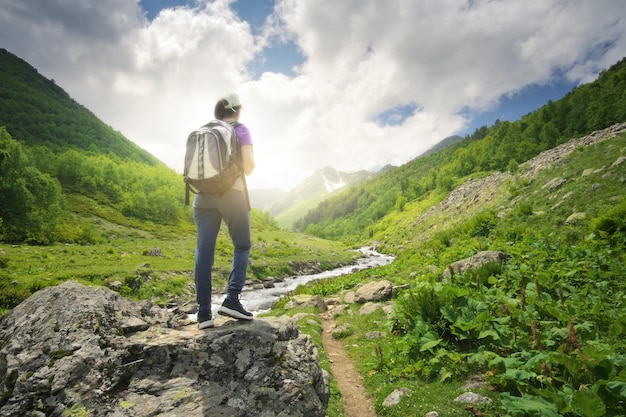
(78, 350)
(557, 155)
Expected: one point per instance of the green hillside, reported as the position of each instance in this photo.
(37, 112)
(353, 214)
(53, 150)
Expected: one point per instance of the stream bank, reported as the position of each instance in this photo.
(258, 300)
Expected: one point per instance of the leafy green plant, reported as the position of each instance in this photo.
(611, 222)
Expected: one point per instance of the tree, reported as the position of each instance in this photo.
(32, 202)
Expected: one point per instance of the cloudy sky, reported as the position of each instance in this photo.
(354, 84)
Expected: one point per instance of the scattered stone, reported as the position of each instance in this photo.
(306, 300)
(333, 301)
(618, 161)
(395, 397)
(475, 382)
(339, 309)
(155, 252)
(398, 288)
(554, 183)
(471, 193)
(349, 297)
(575, 217)
(368, 308)
(375, 335)
(472, 398)
(432, 414)
(388, 309)
(373, 291)
(115, 285)
(553, 156)
(341, 332)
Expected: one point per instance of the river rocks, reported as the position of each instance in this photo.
(305, 267)
(374, 291)
(81, 350)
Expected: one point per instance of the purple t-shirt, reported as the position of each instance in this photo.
(244, 135)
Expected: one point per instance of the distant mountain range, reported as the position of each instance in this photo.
(287, 206)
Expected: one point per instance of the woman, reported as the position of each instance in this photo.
(232, 206)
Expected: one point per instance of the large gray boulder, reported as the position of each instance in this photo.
(374, 291)
(83, 350)
(473, 262)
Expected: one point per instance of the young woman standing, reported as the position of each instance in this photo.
(233, 208)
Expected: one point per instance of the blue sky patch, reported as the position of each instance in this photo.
(154, 7)
(396, 115)
(513, 106)
(279, 58)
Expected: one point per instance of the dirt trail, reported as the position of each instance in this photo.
(349, 381)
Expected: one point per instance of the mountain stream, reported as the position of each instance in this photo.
(259, 300)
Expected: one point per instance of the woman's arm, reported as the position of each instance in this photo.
(247, 159)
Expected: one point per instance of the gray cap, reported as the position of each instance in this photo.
(231, 100)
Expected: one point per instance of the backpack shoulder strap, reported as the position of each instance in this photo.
(243, 175)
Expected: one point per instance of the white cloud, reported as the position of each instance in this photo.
(156, 80)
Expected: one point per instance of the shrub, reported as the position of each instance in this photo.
(423, 304)
(611, 222)
(481, 224)
(11, 296)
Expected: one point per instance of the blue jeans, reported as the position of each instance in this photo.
(208, 212)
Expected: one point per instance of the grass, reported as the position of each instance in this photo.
(122, 253)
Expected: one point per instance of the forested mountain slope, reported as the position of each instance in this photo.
(60, 161)
(37, 112)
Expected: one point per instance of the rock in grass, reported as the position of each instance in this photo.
(395, 397)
